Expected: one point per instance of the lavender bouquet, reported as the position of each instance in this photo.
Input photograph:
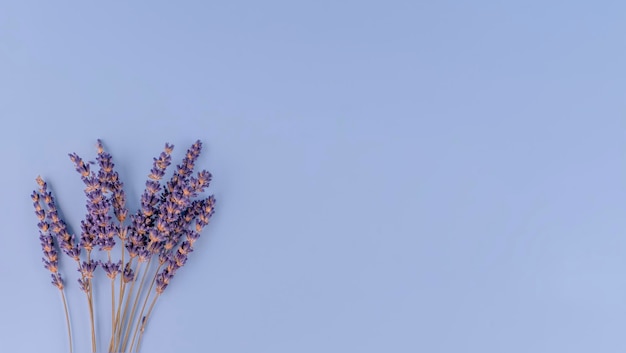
(153, 243)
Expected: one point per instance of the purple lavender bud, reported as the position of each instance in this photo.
(81, 167)
(53, 215)
(45, 194)
(161, 164)
(201, 182)
(74, 253)
(43, 226)
(107, 244)
(51, 258)
(50, 266)
(87, 237)
(152, 187)
(164, 256)
(111, 269)
(91, 185)
(148, 199)
(154, 236)
(41, 214)
(86, 268)
(170, 243)
(170, 208)
(143, 255)
(192, 236)
(161, 283)
(154, 247)
(84, 284)
(189, 213)
(128, 274)
(105, 174)
(204, 212)
(119, 204)
(133, 249)
(106, 238)
(186, 167)
(96, 201)
(186, 247)
(57, 281)
(179, 259)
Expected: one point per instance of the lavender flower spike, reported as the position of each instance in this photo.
(111, 268)
(51, 257)
(87, 268)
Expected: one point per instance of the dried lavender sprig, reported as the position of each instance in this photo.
(97, 210)
(172, 214)
(95, 228)
(156, 218)
(178, 211)
(153, 186)
(172, 229)
(141, 223)
(105, 162)
(109, 182)
(57, 226)
(184, 169)
(144, 218)
(204, 209)
(180, 185)
(81, 167)
(88, 238)
(201, 212)
(50, 258)
(128, 274)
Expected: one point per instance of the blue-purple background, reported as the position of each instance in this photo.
(391, 176)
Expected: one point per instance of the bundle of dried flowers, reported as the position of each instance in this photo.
(165, 229)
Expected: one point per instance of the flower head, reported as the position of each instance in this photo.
(81, 166)
(86, 268)
(46, 237)
(128, 274)
(111, 268)
(57, 281)
(84, 284)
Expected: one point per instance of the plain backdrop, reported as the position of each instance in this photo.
(391, 176)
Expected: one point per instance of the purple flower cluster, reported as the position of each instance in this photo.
(52, 231)
(202, 210)
(166, 226)
(165, 220)
(50, 258)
